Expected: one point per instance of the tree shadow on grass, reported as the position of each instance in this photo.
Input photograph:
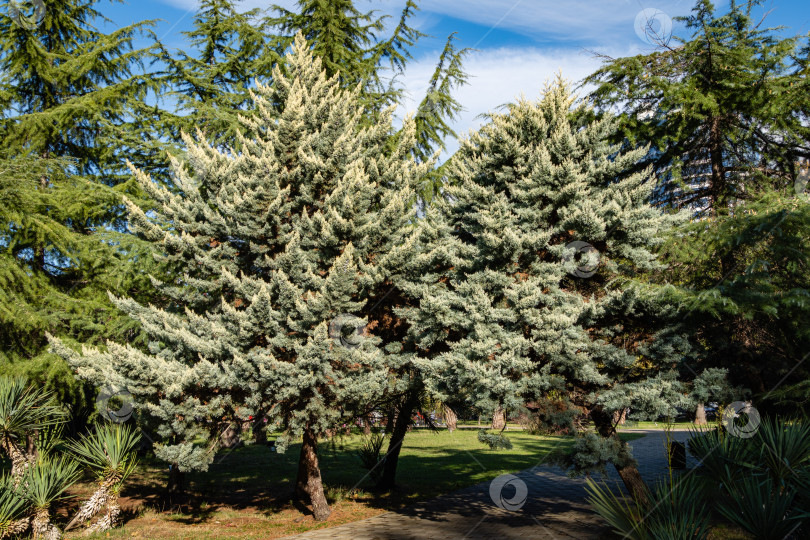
(255, 477)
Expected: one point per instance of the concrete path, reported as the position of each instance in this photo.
(555, 507)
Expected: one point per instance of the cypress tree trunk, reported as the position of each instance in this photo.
(450, 419)
(389, 421)
(633, 482)
(259, 431)
(177, 481)
(404, 414)
(499, 419)
(700, 414)
(230, 438)
(301, 479)
(629, 473)
(309, 487)
(620, 417)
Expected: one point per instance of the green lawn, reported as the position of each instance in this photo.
(246, 492)
(431, 463)
(685, 424)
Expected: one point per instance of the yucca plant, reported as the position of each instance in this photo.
(772, 500)
(23, 411)
(803, 497)
(110, 453)
(784, 450)
(44, 483)
(675, 510)
(369, 454)
(761, 483)
(14, 519)
(758, 505)
(49, 439)
(622, 514)
(680, 511)
(724, 459)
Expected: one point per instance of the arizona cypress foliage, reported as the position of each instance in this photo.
(300, 226)
(499, 316)
(348, 42)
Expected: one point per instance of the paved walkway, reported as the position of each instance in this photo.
(555, 507)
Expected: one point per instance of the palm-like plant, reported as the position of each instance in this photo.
(761, 484)
(784, 450)
(109, 453)
(724, 459)
(13, 509)
(759, 506)
(23, 410)
(675, 510)
(44, 483)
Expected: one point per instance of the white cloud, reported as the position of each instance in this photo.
(499, 76)
(575, 20)
(561, 19)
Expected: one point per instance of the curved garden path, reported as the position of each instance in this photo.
(555, 507)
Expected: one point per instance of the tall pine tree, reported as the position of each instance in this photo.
(72, 101)
(229, 50)
(723, 110)
(69, 90)
(302, 225)
(348, 42)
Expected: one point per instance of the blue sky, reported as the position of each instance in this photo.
(519, 43)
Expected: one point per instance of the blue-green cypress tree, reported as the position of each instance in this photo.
(508, 312)
(304, 223)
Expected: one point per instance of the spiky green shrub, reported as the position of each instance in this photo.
(45, 483)
(109, 452)
(369, 454)
(24, 410)
(724, 459)
(760, 484)
(784, 450)
(675, 510)
(758, 505)
(13, 509)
